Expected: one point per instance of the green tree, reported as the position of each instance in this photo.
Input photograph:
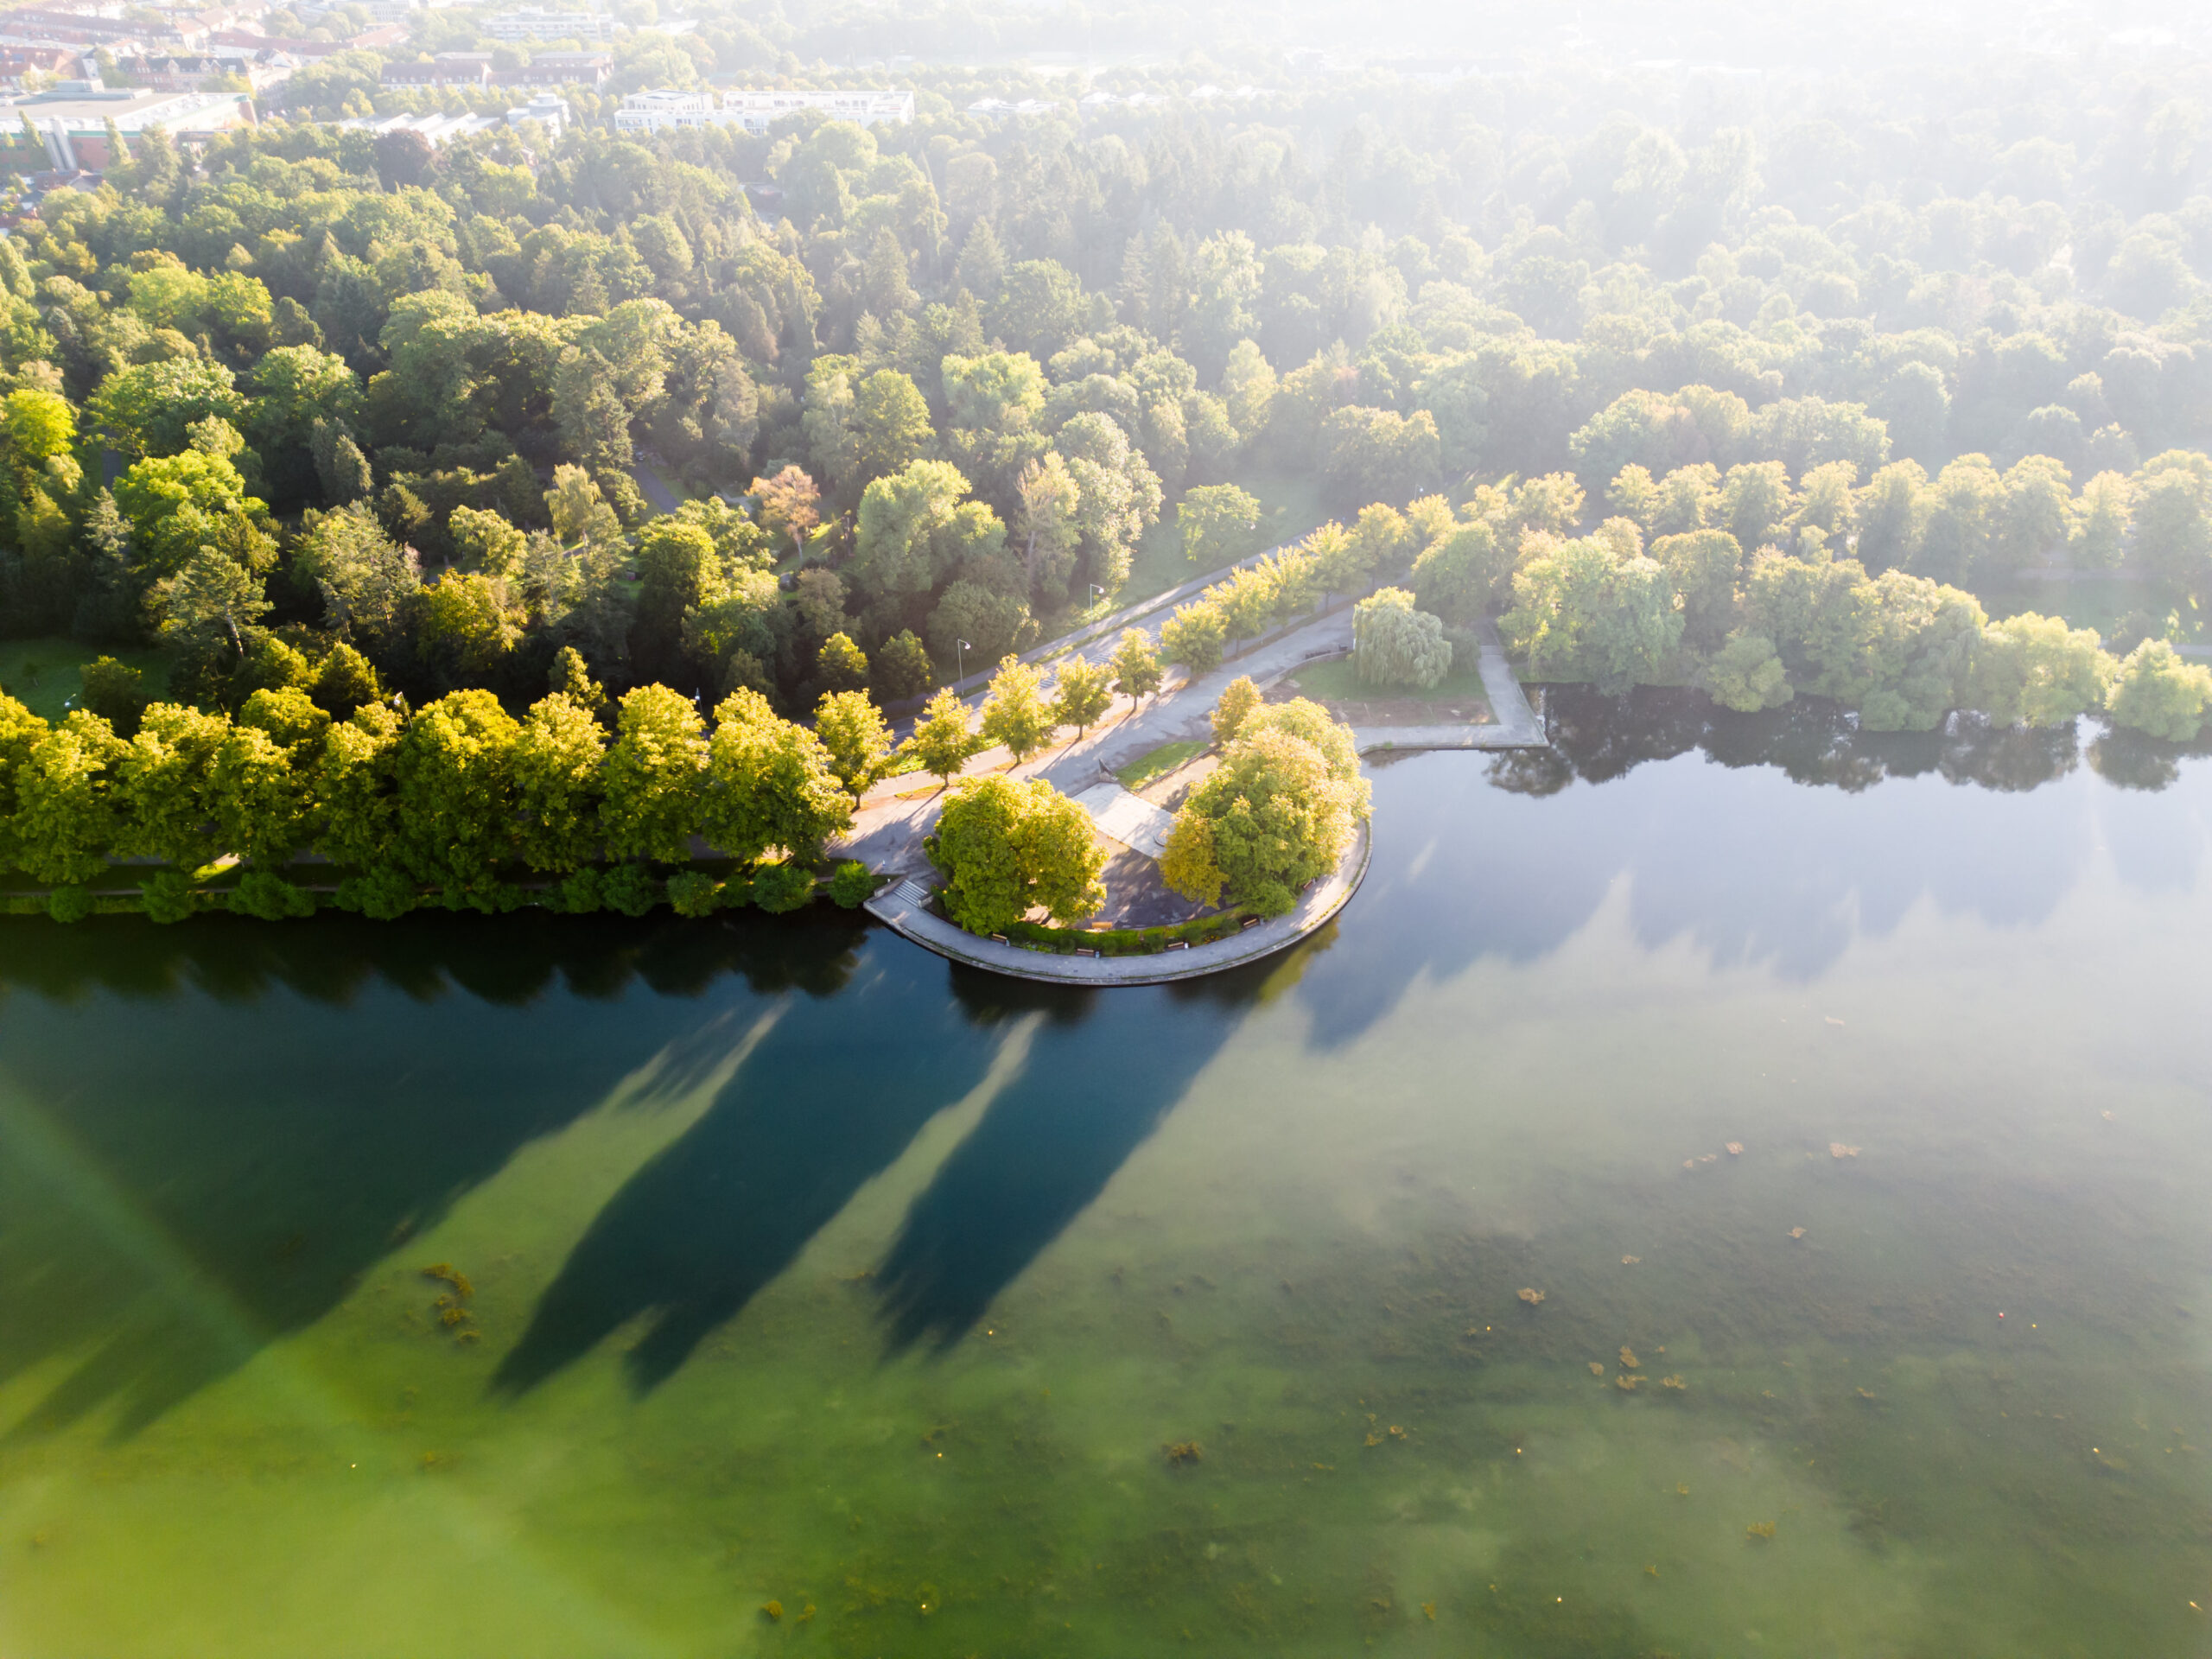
(174, 505)
(1395, 644)
(1584, 611)
(1017, 714)
(891, 422)
(579, 512)
(116, 693)
(1136, 666)
(852, 729)
(1195, 636)
(64, 821)
(944, 740)
(902, 669)
(2036, 670)
(455, 807)
(653, 776)
(1370, 453)
(259, 805)
(161, 787)
(1704, 566)
(363, 577)
(1238, 699)
(1746, 674)
(2102, 518)
(1081, 694)
(1457, 577)
(841, 665)
(1009, 846)
(206, 608)
(558, 759)
(462, 627)
(146, 409)
(354, 781)
(1220, 524)
(770, 784)
(2173, 518)
(1278, 812)
(2155, 690)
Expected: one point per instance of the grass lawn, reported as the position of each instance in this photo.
(1335, 682)
(1162, 761)
(2109, 605)
(43, 674)
(1292, 504)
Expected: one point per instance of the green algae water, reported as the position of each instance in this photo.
(766, 1285)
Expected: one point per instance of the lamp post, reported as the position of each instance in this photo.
(961, 649)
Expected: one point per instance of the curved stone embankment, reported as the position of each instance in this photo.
(1314, 910)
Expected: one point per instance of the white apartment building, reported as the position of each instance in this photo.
(754, 110)
(535, 23)
(664, 108)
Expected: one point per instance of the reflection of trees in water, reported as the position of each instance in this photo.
(507, 961)
(1596, 739)
(213, 1165)
(1761, 839)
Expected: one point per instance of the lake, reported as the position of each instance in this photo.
(548, 1285)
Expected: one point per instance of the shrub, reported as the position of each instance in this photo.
(117, 694)
(692, 893)
(852, 883)
(384, 894)
(269, 897)
(70, 904)
(631, 889)
(782, 886)
(578, 895)
(168, 896)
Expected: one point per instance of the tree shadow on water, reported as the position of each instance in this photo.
(831, 1097)
(208, 1133)
(1101, 1075)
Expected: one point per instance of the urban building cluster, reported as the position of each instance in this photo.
(666, 108)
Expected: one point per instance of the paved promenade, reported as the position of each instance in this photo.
(900, 909)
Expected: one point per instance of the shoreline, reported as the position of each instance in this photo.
(907, 919)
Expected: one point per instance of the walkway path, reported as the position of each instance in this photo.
(1518, 726)
(1129, 819)
(900, 908)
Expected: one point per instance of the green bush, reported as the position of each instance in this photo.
(852, 883)
(168, 896)
(781, 886)
(692, 893)
(579, 895)
(69, 904)
(270, 898)
(631, 889)
(382, 895)
(736, 891)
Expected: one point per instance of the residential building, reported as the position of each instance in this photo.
(438, 129)
(186, 73)
(755, 109)
(664, 108)
(56, 62)
(390, 35)
(535, 23)
(590, 70)
(447, 69)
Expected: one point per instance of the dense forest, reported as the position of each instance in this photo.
(1754, 375)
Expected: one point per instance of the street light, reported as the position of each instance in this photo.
(962, 649)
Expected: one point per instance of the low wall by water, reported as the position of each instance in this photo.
(898, 909)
